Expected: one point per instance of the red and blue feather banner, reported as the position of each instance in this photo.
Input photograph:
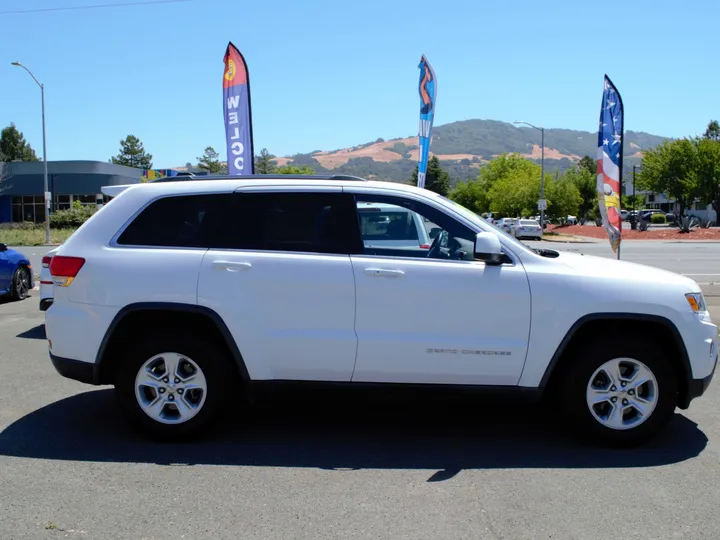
(237, 113)
(610, 161)
(427, 89)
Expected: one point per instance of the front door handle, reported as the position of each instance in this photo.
(384, 272)
(231, 266)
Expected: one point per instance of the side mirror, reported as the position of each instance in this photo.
(488, 248)
(434, 232)
(3, 247)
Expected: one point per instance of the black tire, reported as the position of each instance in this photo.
(590, 356)
(21, 284)
(216, 365)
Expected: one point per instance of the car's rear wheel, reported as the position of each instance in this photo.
(174, 387)
(21, 284)
(622, 394)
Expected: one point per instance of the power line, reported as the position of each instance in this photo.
(69, 8)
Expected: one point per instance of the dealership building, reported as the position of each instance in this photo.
(21, 186)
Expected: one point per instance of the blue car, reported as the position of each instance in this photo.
(16, 277)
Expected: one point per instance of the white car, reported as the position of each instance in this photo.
(46, 284)
(527, 228)
(188, 296)
(506, 224)
(389, 225)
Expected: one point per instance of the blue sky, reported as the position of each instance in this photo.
(330, 74)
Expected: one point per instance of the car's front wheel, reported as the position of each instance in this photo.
(21, 284)
(622, 394)
(174, 387)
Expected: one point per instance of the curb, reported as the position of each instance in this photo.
(569, 239)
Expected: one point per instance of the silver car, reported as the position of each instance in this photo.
(387, 225)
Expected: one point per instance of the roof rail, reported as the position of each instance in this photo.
(183, 176)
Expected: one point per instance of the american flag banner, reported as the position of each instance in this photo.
(609, 162)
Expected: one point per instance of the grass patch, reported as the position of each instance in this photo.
(33, 237)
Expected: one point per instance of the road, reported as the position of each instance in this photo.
(378, 469)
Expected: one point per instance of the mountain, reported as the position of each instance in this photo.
(463, 147)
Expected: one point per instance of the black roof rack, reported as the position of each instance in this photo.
(184, 176)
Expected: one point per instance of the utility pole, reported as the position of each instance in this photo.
(46, 193)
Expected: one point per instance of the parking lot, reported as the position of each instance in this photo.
(371, 467)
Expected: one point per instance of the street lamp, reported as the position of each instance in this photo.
(46, 194)
(542, 170)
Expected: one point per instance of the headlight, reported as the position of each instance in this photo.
(697, 302)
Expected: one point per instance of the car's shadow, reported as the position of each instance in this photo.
(37, 332)
(435, 435)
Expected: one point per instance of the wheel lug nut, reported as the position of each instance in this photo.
(180, 391)
(613, 388)
(171, 397)
(631, 392)
(161, 390)
(166, 380)
(614, 399)
(624, 401)
(177, 380)
(623, 384)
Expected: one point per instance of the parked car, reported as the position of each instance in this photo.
(571, 220)
(392, 226)
(527, 228)
(256, 282)
(506, 224)
(46, 284)
(16, 277)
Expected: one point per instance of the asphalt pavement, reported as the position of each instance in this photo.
(373, 468)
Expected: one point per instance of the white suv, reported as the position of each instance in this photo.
(185, 295)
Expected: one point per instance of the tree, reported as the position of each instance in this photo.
(633, 201)
(713, 131)
(476, 194)
(589, 164)
(472, 195)
(673, 169)
(564, 198)
(436, 178)
(13, 146)
(210, 162)
(586, 183)
(708, 163)
(516, 193)
(132, 154)
(294, 170)
(265, 162)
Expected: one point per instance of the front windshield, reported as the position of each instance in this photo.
(483, 224)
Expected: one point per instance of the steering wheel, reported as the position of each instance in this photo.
(434, 250)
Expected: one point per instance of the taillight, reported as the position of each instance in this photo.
(65, 269)
(424, 246)
(46, 261)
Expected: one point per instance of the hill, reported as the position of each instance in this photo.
(463, 147)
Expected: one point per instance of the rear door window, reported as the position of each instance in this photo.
(308, 222)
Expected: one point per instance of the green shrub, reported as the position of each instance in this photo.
(21, 226)
(658, 218)
(71, 219)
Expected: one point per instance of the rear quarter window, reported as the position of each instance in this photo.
(183, 221)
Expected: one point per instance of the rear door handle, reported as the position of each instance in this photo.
(231, 266)
(384, 272)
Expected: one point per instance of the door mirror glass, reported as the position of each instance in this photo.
(488, 248)
(3, 247)
(434, 232)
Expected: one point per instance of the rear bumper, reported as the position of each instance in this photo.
(45, 303)
(74, 369)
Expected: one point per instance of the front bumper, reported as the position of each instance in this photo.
(74, 369)
(696, 388)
